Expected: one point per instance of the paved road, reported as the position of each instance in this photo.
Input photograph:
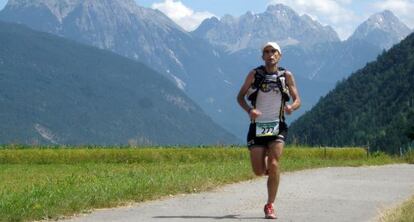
(323, 195)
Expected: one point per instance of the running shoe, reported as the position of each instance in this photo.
(269, 211)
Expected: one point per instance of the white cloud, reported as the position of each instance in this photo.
(403, 9)
(181, 14)
(327, 12)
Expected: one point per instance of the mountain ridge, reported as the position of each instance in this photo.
(58, 91)
(249, 30)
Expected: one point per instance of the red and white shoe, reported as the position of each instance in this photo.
(269, 211)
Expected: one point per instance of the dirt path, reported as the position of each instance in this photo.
(327, 194)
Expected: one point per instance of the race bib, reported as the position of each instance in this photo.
(267, 129)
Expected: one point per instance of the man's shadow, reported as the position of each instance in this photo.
(237, 217)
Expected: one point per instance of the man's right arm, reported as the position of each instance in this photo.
(243, 90)
(253, 113)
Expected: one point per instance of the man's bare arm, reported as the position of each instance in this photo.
(290, 80)
(243, 90)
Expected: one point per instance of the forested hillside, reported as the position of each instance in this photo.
(374, 106)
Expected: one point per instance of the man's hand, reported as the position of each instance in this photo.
(254, 113)
(288, 109)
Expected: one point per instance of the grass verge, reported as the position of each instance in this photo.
(402, 213)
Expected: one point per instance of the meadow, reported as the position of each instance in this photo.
(51, 182)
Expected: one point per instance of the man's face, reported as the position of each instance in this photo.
(271, 56)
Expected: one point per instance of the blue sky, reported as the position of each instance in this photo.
(343, 15)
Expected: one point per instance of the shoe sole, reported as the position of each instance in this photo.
(270, 217)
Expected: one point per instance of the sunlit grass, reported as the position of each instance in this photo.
(402, 213)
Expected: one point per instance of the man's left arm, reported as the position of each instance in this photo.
(293, 91)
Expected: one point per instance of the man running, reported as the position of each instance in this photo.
(268, 88)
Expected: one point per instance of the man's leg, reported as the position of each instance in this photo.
(257, 158)
(274, 154)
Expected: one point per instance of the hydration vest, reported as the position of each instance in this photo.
(259, 80)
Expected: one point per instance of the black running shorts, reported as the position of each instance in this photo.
(252, 140)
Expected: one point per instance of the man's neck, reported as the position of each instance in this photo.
(271, 68)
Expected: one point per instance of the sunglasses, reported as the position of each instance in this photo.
(272, 51)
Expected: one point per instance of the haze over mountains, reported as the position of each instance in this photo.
(210, 63)
(56, 91)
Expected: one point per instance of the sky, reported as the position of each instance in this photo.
(343, 15)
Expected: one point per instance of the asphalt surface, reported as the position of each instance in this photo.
(323, 195)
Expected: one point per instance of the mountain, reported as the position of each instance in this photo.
(278, 23)
(209, 64)
(120, 26)
(202, 71)
(57, 91)
(374, 106)
(383, 29)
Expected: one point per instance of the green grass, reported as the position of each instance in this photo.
(403, 213)
(46, 183)
(409, 157)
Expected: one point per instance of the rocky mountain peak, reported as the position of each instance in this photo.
(383, 29)
(62, 8)
(385, 20)
(278, 23)
(280, 9)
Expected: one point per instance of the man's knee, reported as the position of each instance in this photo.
(259, 172)
(273, 166)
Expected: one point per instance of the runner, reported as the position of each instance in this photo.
(268, 88)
